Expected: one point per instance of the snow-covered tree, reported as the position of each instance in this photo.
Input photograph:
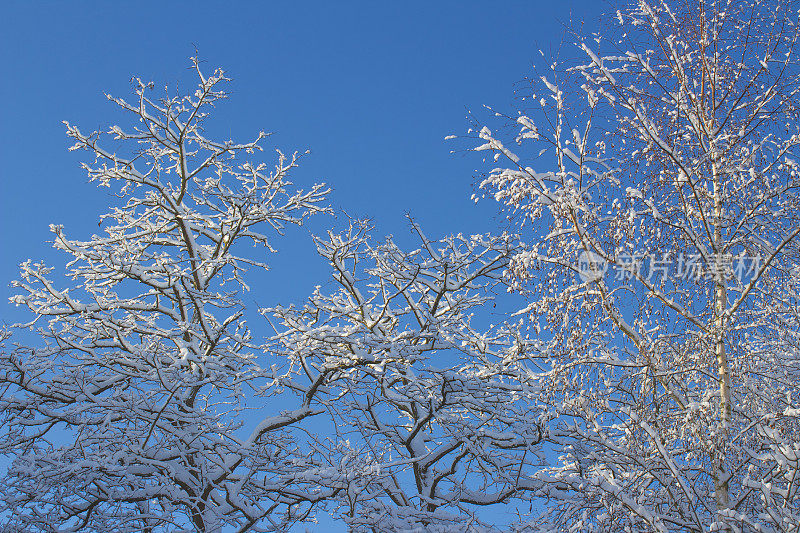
(428, 415)
(141, 401)
(132, 412)
(657, 175)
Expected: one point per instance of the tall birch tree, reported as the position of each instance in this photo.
(656, 173)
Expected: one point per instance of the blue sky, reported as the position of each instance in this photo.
(371, 88)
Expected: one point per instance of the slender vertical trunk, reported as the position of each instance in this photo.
(721, 486)
(720, 474)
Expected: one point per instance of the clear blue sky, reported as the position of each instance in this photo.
(371, 88)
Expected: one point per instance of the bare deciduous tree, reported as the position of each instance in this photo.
(435, 412)
(130, 415)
